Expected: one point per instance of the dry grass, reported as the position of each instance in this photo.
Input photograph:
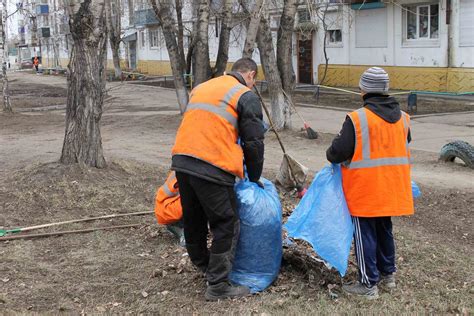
(111, 271)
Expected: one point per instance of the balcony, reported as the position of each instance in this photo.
(145, 17)
(366, 5)
(42, 9)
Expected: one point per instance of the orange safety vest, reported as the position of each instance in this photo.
(209, 130)
(168, 208)
(377, 180)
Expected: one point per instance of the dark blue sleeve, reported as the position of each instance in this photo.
(343, 145)
(251, 133)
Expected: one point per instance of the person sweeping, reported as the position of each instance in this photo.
(373, 149)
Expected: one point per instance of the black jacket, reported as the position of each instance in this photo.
(342, 147)
(251, 132)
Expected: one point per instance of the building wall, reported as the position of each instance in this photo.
(438, 79)
(463, 17)
(412, 65)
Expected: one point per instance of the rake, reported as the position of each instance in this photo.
(290, 169)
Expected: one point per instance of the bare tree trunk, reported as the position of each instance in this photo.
(280, 107)
(162, 10)
(179, 15)
(7, 107)
(224, 38)
(252, 29)
(86, 84)
(189, 56)
(201, 49)
(284, 46)
(113, 30)
(56, 62)
(322, 18)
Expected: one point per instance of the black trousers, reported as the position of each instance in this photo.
(206, 204)
(374, 248)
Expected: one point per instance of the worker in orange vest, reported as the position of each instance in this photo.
(36, 63)
(207, 159)
(168, 210)
(373, 149)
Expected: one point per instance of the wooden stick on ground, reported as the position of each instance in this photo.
(17, 230)
(80, 231)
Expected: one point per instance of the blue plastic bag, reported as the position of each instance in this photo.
(259, 250)
(415, 190)
(322, 219)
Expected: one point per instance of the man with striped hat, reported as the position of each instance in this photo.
(373, 149)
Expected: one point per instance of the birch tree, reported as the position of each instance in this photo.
(7, 107)
(86, 83)
(114, 28)
(284, 45)
(252, 27)
(163, 11)
(280, 107)
(202, 65)
(224, 38)
(179, 17)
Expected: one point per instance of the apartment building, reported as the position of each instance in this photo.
(423, 44)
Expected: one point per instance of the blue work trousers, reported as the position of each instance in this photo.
(374, 248)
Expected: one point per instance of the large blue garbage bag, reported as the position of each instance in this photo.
(259, 250)
(415, 190)
(322, 219)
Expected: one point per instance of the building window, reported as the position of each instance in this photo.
(303, 16)
(333, 37)
(275, 22)
(154, 38)
(422, 21)
(142, 39)
(466, 27)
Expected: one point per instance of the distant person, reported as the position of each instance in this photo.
(207, 159)
(36, 63)
(373, 149)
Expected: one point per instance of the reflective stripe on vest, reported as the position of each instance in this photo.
(366, 161)
(221, 109)
(169, 183)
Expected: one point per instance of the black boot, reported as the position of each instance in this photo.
(220, 265)
(199, 256)
(225, 290)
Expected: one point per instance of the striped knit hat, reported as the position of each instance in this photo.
(374, 80)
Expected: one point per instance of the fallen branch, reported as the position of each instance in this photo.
(66, 232)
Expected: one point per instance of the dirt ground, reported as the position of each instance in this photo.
(143, 270)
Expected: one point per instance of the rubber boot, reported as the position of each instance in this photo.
(177, 231)
(199, 256)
